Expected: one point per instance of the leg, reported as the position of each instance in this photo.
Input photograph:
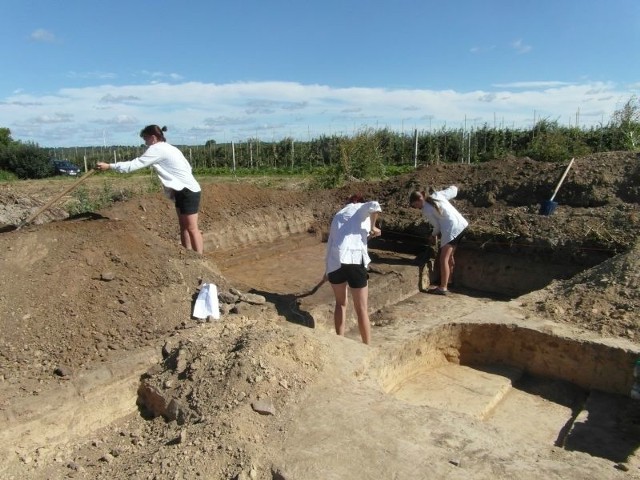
(446, 265)
(452, 264)
(190, 234)
(340, 309)
(360, 304)
(420, 278)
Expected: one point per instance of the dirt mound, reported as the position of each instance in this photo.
(597, 211)
(603, 299)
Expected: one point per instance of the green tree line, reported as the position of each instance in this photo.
(368, 153)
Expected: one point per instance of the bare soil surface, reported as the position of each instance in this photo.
(258, 394)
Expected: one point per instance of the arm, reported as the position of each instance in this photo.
(147, 159)
(450, 192)
(375, 231)
(373, 209)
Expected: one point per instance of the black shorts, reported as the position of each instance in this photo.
(187, 202)
(355, 275)
(456, 241)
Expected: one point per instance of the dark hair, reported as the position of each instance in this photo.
(154, 130)
(427, 198)
(416, 195)
(355, 198)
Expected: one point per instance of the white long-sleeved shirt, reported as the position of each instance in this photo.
(348, 235)
(169, 163)
(450, 223)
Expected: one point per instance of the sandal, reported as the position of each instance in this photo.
(438, 291)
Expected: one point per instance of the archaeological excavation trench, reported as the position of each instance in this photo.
(527, 365)
(530, 384)
(527, 382)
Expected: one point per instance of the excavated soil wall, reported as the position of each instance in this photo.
(589, 365)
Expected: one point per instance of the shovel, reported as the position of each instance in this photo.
(48, 205)
(549, 206)
(312, 291)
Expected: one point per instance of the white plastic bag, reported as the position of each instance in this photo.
(207, 302)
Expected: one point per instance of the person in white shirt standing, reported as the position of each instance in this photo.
(447, 223)
(347, 260)
(174, 171)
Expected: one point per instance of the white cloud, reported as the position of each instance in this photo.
(196, 112)
(109, 98)
(531, 84)
(520, 47)
(57, 117)
(480, 50)
(158, 76)
(124, 120)
(92, 75)
(42, 35)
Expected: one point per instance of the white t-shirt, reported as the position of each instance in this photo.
(348, 235)
(169, 163)
(450, 223)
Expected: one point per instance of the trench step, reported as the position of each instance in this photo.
(86, 403)
(538, 409)
(459, 388)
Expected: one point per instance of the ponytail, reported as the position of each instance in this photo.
(421, 195)
(434, 203)
(154, 130)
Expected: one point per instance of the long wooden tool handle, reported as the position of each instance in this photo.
(561, 180)
(313, 290)
(51, 202)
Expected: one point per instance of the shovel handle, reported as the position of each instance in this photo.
(313, 290)
(561, 180)
(51, 202)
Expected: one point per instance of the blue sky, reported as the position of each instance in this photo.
(79, 72)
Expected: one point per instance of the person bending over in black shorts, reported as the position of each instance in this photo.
(347, 260)
(174, 172)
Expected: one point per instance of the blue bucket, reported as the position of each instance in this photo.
(548, 207)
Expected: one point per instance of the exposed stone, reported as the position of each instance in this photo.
(153, 399)
(228, 297)
(264, 407)
(253, 299)
(107, 276)
(63, 371)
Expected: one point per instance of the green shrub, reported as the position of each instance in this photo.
(85, 201)
(626, 122)
(26, 160)
(361, 158)
(6, 176)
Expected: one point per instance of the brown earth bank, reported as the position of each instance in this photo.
(237, 398)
